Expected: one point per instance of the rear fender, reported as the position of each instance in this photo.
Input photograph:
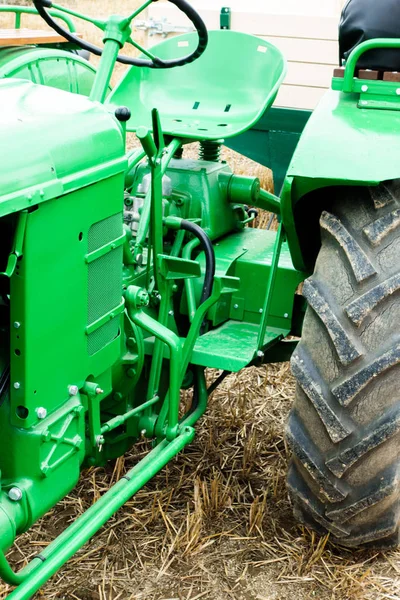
(48, 66)
(342, 145)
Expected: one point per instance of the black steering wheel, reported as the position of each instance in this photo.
(154, 62)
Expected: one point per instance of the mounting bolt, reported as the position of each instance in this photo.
(41, 412)
(236, 306)
(99, 391)
(73, 390)
(99, 441)
(15, 494)
(261, 311)
(364, 88)
(260, 354)
(171, 313)
(398, 91)
(17, 385)
(17, 325)
(286, 315)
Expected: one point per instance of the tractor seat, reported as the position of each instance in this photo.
(220, 95)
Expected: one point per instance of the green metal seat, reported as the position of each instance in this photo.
(220, 95)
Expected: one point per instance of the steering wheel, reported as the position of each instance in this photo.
(153, 62)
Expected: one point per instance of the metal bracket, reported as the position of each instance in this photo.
(225, 17)
(161, 27)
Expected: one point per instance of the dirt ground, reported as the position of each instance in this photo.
(216, 523)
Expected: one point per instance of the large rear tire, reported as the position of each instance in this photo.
(344, 429)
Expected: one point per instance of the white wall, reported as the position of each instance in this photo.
(306, 32)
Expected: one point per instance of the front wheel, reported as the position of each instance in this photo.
(344, 428)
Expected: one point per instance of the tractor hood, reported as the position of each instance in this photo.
(52, 142)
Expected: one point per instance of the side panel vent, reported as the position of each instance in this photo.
(104, 281)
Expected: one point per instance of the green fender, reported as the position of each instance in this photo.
(48, 66)
(341, 145)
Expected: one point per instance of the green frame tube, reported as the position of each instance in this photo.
(270, 286)
(175, 347)
(354, 57)
(20, 10)
(32, 577)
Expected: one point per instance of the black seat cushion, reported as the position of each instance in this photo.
(367, 19)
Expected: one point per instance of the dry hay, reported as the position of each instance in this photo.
(216, 523)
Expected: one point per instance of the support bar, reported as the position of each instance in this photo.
(81, 530)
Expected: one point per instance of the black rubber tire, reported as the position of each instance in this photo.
(344, 428)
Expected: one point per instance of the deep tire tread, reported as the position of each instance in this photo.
(380, 229)
(307, 454)
(345, 348)
(361, 308)
(334, 479)
(319, 394)
(346, 391)
(359, 262)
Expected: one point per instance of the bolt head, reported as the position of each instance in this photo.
(17, 325)
(139, 259)
(99, 391)
(398, 91)
(260, 354)
(143, 298)
(171, 313)
(73, 390)
(261, 311)
(286, 315)
(236, 306)
(364, 88)
(15, 494)
(17, 385)
(41, 412)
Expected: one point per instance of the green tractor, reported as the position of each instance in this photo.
(125, 274)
